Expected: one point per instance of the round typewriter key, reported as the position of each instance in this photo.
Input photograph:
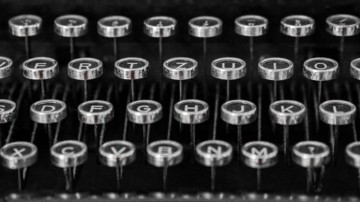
(131, 69)
(95, 112)
(191, 112)
(297, 26)
(18, 156)
(287, 112)
(164, 153)
(144, 112)
(320, 69)
(238, 112)
(180, 68)
(275, 69)
(40, 68)
(251, 26)
(68, 155)
(5, 67)
(71, 26)
(258, 155)
(355, 68)
(117, 153)
(352, 156)
(25, 26)
(311, 155)
(343, 25)
(114, 27)
(7, 111)
(228, 68)
(160, 27)
(205, 27)
(48, 111)
(85, 69)
(213, 153)
(335, 113)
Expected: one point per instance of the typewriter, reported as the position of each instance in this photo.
(249, 100)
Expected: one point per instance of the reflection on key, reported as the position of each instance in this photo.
(164, 153)
(259, 155)
(69, 154)
(19, 156)
(25, 26)
(131, 69)
(352, 157)
(48, 112)
(214, 153)
(191, 112)
(251, 26)
(335, 113)
(114, 27)
(117, 153)
(95, 112)
(287, 112)
(312, 155)
(144, 112)
(180, 68)
(40, 68)
(343, 25)
(276, 69)
(84, 69)
(228, 68)
(297, 26)
(71, 26)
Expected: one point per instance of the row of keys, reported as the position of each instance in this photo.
(203, 26)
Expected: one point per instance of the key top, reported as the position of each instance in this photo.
(7, 111)
(5, 67)
(48, 111)
(95, 112)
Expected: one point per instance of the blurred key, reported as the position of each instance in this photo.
(6, 65)
(25, 26)
(352, 157)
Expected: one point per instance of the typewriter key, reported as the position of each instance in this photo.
(180, 68)
(160, 27)
(275, 69)
(205, 27)
(355, 68)
(287, 112)
(117, 153)
(297, 26)
(228, 68)
(96, 112)
(214, 153)
(259, 155)
(144, 112)
(5, 67)
(251, 26)
(68, 155)
(7, 111)
(47, 112)
(40, 68)
(335, 113)
(164, 153)
(191, 112)
(71, 26)
(18, 156)
(131, 69)
(238, 112)
(114, 27)
(352, 156)
(311, 155)
(320, 69)
(343, 25)
(85, 69)
(25, 26)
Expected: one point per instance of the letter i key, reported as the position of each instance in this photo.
(287, 112)
(48, 112)
(144, 112)
(117, 153)
(336, 113)
(191, 112)
(95, 112)
(69, 154)
(85, 69)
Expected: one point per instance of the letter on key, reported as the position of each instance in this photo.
(95, 112)
(164, 153)
(18, 155)
(117, 153)
(68, 153)
(48, 111)
(259, 154)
